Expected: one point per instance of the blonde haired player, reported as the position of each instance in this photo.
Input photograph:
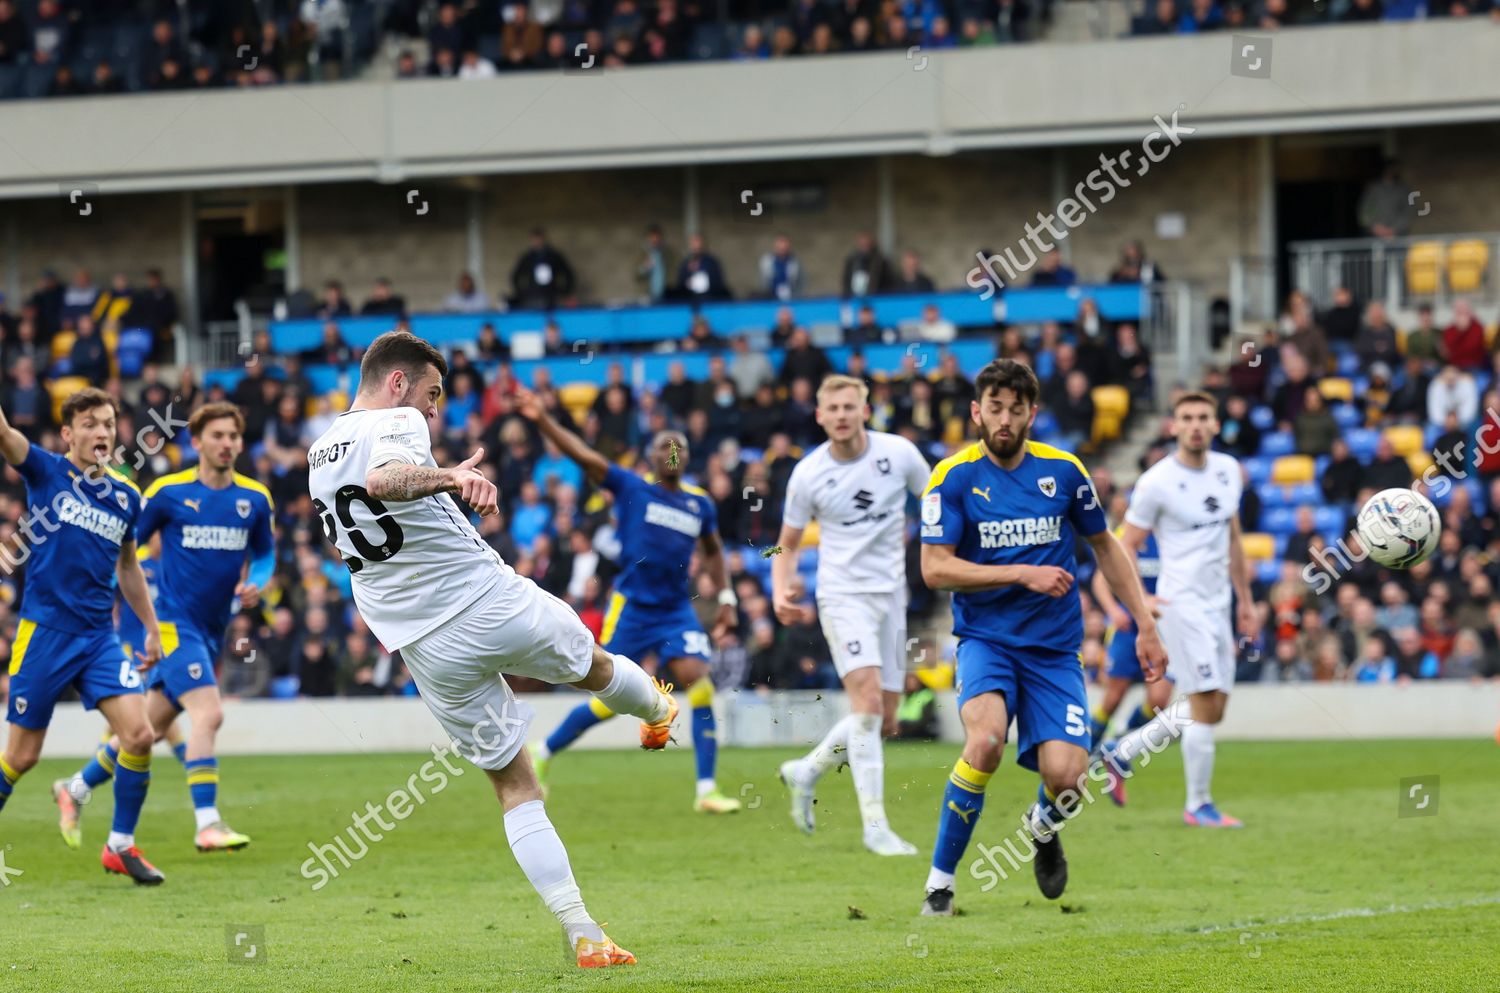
(855, 485)
(429, 586)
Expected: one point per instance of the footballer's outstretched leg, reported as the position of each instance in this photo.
(127, 715)
(986, 723)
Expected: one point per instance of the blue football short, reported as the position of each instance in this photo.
(1044, 692)
(187, 661)
(669, 632)
(45, 661)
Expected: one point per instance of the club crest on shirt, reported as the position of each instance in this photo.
(20, 705)
(1048, 486)
(884, 465)
(1222, 477)
(195, 671)
(242, 507)
(122, 500)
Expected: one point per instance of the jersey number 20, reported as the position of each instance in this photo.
(391, 537)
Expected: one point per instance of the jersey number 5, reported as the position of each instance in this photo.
(391, 537)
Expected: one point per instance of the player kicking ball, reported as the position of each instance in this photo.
(999, 525)
(1124, 668)
(214, 522)
(660, 523)
(428, 586)
(855, 485)
(67, 636)
(1190, 501)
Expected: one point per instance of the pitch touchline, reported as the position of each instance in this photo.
(1354, 912)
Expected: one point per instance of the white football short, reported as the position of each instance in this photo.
(516, 628)
(1200, 648)
(867, 629)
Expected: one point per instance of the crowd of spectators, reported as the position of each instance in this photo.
(1160, 17)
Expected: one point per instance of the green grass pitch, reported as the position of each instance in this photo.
(1325, 889)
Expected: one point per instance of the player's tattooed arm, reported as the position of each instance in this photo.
(594, 465)
(400, 482)
(13, 444)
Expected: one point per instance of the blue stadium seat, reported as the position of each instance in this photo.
(1362, 442)
(1482, 380)
(1430, 433)
(133, 351)
(1277, 443)
(1346, 415)
(1296, 495)
(1045, 423)
(1259, 468)
(1283, 520)
(1263, 417)
(1268, 571)
(1348, 364)
(10, 80)
(36, 81)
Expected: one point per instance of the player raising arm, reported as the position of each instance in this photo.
(66, 636)
(214, 523)
(998, 526)
(855, 485)
(660, 523)
(429, 587)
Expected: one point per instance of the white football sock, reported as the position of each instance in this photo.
(78, 789)
(119, 842)
(937, 879)
(829, 752)
(705, 787)
(1157, 733)
(541, 855)
(206, 816)
(633, 692)
(867, 763)
(1198, 763)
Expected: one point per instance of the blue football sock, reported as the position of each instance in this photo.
(579, 720)
(132, 777)
(203, 782)
(1142, 714)
(963, 799)
(1098, 724)
(180, 750)
(8, 777)
(705, 734)
(101, 766)
(1048, 815)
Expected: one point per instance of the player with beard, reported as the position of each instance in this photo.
(999, 521)
(66, 636)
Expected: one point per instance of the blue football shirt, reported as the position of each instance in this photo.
(1030, 515)
(658, 531)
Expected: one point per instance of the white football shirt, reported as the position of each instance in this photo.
(1189, 511)
(416, 563)
(860, 507)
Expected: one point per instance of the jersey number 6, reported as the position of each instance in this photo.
(391, 537)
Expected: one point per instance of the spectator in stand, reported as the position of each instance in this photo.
(1364, 11)
(1134, 267)
(331, 349)
(1387, 470)
(752, 46)
(762, 418)
(1463, 340)
(51, 34)
(1375, 663)
(1385, 209)
(700, 276)
(803, 360)
(1377, 340)
(934, 327)
(1413, 660)
(46, 301)
(865, 269)
(383, 301)
(27, 404)
(866, 330)
(323, 24)
(1341, 321)
(489, 345)
(1074, 412)
(1452, 392)
(15, 36)
(780, 270)
(799, 415)
(1051, 271)
(448, 30)
(651, 269)
(466, 298)
(270, 56)
(678, 395)
(1131, 364)
(542, 279)
(1343, 477)
(89, 358)
(1425, 341)
(335, 304)
(1314, 428)
(79, 298)
(105, 80)
(1162, 20)
(1237, 435)
(1202, 16)
(407, 67)
(911, 278)
(444, 64)
(472, 65)
(701, 337)
(750, 368)
(1308, 338)
(1408, 400)
(113, 305)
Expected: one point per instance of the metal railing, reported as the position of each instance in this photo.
(1176, 332)
(1402, 272)
(1252, 291)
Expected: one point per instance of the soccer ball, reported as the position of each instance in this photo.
(1399, 528)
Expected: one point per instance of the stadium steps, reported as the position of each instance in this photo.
(1124, 456)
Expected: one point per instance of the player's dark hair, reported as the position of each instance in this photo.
(1008, 374)
(199, 418)
(86, 399)
(398, 350)
(1195, 397)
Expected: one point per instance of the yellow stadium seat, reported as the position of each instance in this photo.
(1467, 261)
(1336, 388)
(1290, 469)
(1419, 462)
(1111, 399)
(60, 389)
(1424, 264)
(1106, 426)
(62, 344)
(1258, 546)
(1406, 439)
(953, 432)
(578, 398)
